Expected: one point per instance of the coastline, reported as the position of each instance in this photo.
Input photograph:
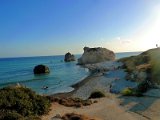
(76, 86)
(103, 68)
(126, 107)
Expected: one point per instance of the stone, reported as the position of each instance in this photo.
(41, 69)
(96, 55)
(69, 57)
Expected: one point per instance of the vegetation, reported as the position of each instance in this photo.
(97, 94)
(138, 91)
(74, 116)
(71, 102)
(148, 62)
(131, 92)
(127, 92)
(130, 63)
(143, 87)
(19, 103)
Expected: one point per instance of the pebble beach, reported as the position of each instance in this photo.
(113, 103)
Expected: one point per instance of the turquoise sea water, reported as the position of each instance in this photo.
(61, 77)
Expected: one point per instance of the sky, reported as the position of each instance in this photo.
(54, 27)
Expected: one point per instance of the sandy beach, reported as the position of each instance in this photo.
(113, 106)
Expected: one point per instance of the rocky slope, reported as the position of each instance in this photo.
(143, 67)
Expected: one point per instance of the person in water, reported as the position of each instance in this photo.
(45, 87)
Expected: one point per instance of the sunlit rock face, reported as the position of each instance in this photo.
(96, 55)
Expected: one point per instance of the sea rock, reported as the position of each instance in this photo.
(41, 69)
(69, 57)
(96, 55)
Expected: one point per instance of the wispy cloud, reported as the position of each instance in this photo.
(123, 40)
(127, 41)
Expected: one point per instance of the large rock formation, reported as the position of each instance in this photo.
(69, 57)
(96, 55)
(41, 69)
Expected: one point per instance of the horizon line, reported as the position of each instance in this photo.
(57, 55)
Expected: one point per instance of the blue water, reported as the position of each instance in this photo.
(126, 54)
(61, 77)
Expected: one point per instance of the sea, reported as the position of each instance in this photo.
(62, 74)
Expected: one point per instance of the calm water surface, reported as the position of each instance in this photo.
(61, 77)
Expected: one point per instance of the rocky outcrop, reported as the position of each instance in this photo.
(96, 55)
(41, 69)
(69, 57)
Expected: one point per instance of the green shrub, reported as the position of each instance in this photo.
(143, 87)
(20, 101)
(128, 92)
(131, 92)
(71, 101)
(32, 118)
(97, 94)
(10, 115)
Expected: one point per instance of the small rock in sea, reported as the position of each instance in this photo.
(69, 57)
(41, 69)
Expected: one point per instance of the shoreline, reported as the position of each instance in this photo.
(75, 87)
(98, 110)
(132, 108)
(102, 68)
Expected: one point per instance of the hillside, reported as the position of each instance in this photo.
(145, 66)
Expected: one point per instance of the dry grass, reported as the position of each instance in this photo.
(143, 66)
(71, 102)
(73, 116)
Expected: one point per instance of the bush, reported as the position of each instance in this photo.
(97, 94)
(10, 115)
(32, 118)
(131, 92)
(143, 86)
(128, 92)
(74, 116)
(71, 102)
(20, 101)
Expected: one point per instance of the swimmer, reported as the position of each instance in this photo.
(45, 87)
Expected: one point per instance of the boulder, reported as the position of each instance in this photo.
(69, 57)
(41, 69)
(96, 55)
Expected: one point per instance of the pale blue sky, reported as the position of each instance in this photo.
(54, 27)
